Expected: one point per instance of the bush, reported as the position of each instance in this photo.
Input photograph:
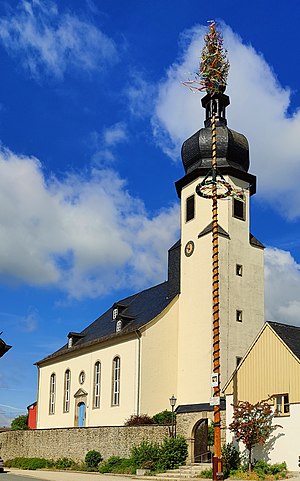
(279, 469)
(114, 464)
(63, 463)
(231, 459)
(173, 453)
(29, 463)
(206, 473)
(138, 420)
(164, 417)
(109, 465)
(263, 469)
(92, 459)
(146, 452)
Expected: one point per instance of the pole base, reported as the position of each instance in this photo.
(217, 469)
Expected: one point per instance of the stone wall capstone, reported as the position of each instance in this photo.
(74, 443)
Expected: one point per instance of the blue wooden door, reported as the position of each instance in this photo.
(81, 415)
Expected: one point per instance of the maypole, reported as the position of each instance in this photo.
(212, 77)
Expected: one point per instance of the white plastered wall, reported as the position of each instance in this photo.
(159, 361)
(283, 445)
(195, 303)
(106, 415)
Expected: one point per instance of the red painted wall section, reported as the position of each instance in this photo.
(32, 415)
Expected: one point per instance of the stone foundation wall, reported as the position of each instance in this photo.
(74, 443)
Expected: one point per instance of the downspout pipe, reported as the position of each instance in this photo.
(138, 391)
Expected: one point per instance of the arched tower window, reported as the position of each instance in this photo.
(52, 393)
(97, 384)
(67, 391)
(116, 381)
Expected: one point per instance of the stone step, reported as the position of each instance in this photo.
(188, 471)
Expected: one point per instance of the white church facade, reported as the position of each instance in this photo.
(158, 342)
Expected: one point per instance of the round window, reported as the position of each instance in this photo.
(82, 377)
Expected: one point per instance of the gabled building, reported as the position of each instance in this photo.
(270, 371)
(158, 342)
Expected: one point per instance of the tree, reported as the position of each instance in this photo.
(164, 417)
(252, 424)
(19, 423)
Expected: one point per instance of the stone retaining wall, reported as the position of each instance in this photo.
(76, 442)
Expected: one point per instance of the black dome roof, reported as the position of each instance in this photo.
(232, 147)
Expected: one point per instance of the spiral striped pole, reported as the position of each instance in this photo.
(216, 311)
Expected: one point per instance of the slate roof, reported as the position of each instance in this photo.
(209, 229)
(141, 308)
(289, 334)
(253, 240)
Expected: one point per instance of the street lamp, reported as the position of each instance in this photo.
(173, 402)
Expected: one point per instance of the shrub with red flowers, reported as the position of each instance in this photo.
(252, 424)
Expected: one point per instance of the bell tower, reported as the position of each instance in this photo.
(240, 257)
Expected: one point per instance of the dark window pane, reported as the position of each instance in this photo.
(190, 208)
(238, 209)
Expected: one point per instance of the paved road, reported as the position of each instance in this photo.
(24, 475)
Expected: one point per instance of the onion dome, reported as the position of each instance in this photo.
(232, 147)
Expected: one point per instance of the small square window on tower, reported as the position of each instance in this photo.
(190, 208)
(239, 211)
(239, 270)
(238, 360)
(239, 316)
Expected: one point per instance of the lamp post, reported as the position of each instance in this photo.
(173, 400)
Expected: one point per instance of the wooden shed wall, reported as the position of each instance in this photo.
(268, 368)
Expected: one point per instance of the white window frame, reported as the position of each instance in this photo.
(67, 391)
(52, 393)
(97, 384)
(116, 371)
(281, 404)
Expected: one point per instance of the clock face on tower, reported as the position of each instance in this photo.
(189, 248)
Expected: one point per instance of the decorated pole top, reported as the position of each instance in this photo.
(214, 65)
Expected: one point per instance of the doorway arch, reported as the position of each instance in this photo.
(201, 452)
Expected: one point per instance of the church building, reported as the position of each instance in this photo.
(158, 342)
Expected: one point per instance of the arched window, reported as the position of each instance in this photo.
(52, 393)
(116, 381)
(67, 391)
(97, 382)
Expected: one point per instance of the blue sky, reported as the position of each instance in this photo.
(92, 117)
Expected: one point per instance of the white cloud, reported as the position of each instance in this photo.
(87, 235)
(140, 95)
(115, 134)
(105, 143)
(258, 109)
(282, 287)
(30, 322)
(49, 41)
